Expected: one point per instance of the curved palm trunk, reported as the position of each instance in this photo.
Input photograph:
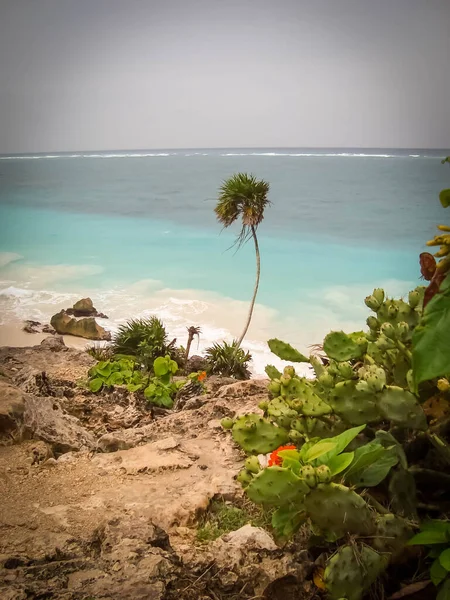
(255, 291)
(189, 342)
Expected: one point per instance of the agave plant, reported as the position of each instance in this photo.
(242, 195)
(228, 360)
(144, 338)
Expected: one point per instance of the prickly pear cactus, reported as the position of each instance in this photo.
(286, 351)
(402, 408)
(257, 435)
(354, 406)
(334, 507)
(341, 347)
(391, 534)
(278, 487)
(352, 570)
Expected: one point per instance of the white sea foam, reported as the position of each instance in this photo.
(105, 155)
(220, 318)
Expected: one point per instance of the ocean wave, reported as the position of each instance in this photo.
(316, 154)
(305, 323)
(105, 155)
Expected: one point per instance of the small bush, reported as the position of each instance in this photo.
(144, 338)
(228, 360)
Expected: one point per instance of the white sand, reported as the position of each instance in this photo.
(12, 335)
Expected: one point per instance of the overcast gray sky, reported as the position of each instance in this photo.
(132, 74)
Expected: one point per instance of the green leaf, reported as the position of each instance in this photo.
(444, 590)
(444, 197)
(115, 379)
(431, 349)
(341, 441)
(95, 385)
(365, 456)
(437, 572)
(150, 391)
(426, 538)
(285, 351)
(164, 400)
(293, 454)
(376, 472)
(444, 559)
(134, 387)
(104, 368)
(286, 520)
(319, 450)
(292, 464)
(161, 366)
(387, 440)
(339, 463)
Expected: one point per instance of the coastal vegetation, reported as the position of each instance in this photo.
(356, 459)
(359, 455)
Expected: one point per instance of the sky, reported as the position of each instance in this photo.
(146, 74)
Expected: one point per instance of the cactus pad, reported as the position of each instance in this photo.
(340, 346)
(352, 570)
(286, 351)
(402, 408)
(277, 486)
(272, 372)
(352, 405)
(336, 508)
(257, 435)
(391, 534)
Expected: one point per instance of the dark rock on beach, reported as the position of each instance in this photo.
(85, 308)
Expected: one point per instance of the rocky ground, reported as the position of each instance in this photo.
(100, 496)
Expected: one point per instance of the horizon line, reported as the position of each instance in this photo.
(181, 149)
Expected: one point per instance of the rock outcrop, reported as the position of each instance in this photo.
(85, 327)
(85, 308)
(100, 497)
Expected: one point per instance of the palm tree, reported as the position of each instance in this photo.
(192, 332)
(242, 195)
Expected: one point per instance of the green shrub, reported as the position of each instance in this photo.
(228, 360)
(161, 389)
(146, 339)
(108, 373)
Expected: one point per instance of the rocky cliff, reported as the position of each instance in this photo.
(101, 496)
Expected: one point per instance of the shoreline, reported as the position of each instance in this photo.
(13, 336)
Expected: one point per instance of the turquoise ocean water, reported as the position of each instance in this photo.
(137, 232)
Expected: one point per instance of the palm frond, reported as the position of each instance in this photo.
(242, 195)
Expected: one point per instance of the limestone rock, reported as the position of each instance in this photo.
(12, 407)
(44, 420)
(55, 343)
(195, 363)
(85, 327)
(250, 554)
(85, 308)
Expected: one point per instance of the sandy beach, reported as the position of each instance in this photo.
(13, 335)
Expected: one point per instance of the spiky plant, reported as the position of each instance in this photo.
(242, 195)
(144, 338)
(192, 332)
(228, 360)
(99, 352)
